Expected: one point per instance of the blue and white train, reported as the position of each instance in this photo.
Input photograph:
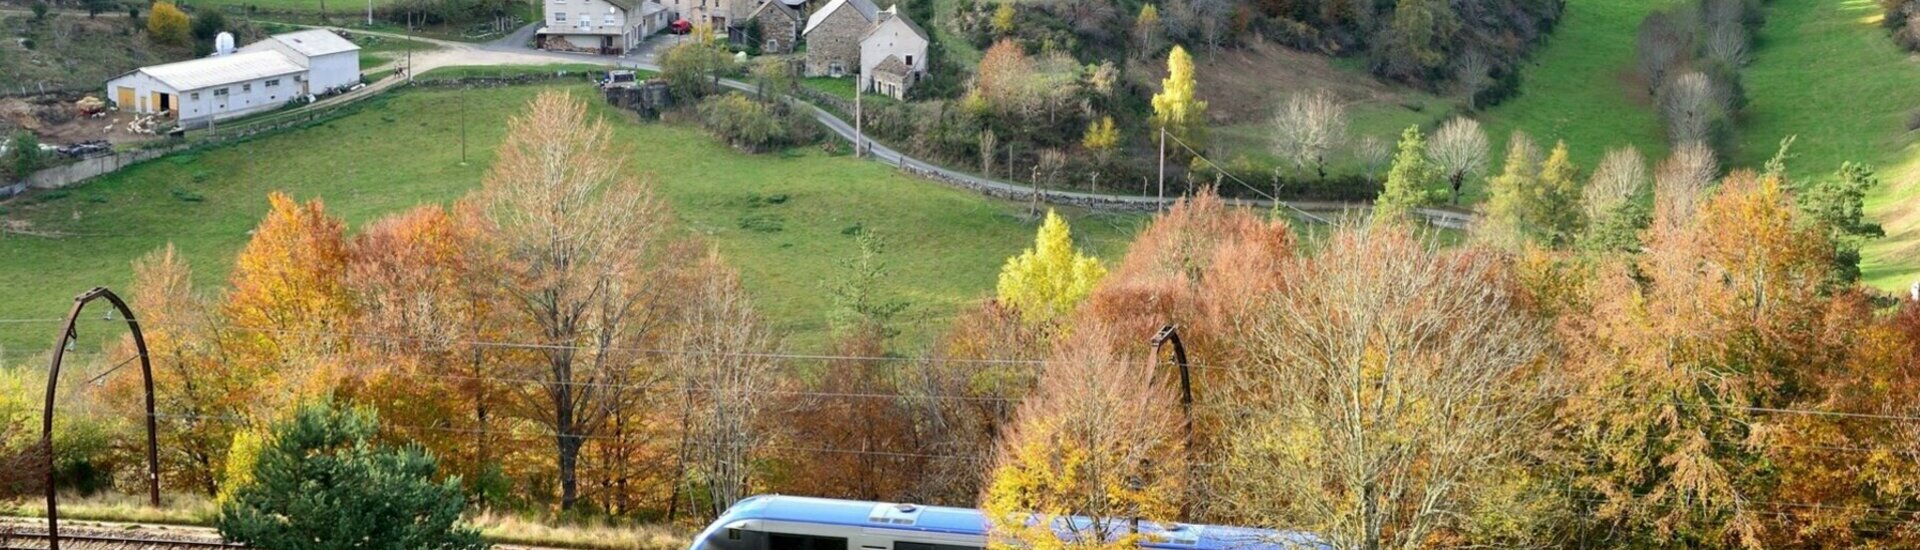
(771, 522)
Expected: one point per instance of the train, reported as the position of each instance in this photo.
(776, 522)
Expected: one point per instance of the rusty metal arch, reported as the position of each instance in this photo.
(67, 336)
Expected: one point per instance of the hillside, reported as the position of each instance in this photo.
(1828, 73)
(72, 51)
(783, 220)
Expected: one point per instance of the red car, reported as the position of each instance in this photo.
(680, 26)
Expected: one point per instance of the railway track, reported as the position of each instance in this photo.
(96, 541)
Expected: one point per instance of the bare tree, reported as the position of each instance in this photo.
(1459, 148)
(1728, 43)
(1372, 152)
(1620, 176)
(1473, 73)
(581, 244)
(1309, 127)
(1681, 182)
(988, 144)
(1393, 387)
(723, 349)
(1213, 17)
(1690, 105)
(1663, 40)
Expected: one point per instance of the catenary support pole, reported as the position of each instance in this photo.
(68, 336)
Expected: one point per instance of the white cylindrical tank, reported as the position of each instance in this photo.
(223, 43)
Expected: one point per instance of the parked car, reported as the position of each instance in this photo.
(618, 79)
(680, 26)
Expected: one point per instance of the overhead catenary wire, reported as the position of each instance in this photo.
(1229, 174)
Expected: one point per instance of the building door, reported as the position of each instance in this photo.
(125, 99)
(166, 103)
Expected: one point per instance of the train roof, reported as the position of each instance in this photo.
(968, 521)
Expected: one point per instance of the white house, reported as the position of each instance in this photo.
(893, 35)
(600, 26)
(203, 90)
(332, 62)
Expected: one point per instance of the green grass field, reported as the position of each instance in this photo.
(1827, 72)
(783, 220)
(1580, 87)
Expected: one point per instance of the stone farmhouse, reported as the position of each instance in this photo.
(610, 27)
(779, 23)
(260, 77)
(726, 17)
(833, 36)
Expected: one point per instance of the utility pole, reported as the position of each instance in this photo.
(463, 126)
(410, 49)
(1162, 204)
(1170, 333)
(859, 137)
(369, 13)
(68, 335)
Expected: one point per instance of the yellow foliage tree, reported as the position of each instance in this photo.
(241, 457)
(1090, 454)
(1175, 109)
(1047, 281)
(1003, 18)
(1101, 137)
(168, 24)
(289, 300)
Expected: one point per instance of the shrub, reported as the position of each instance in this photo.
(322, 482)
(24, 155)
(39, 11)
(743, 122)
(168, 24)
(208, 24)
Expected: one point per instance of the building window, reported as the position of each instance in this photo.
(834, 69)
(586, 20)
(607, 20)
(246, 88)
(275, 83)
(560, 16)
(219, 92)
(195, 96)
(909, 61)
(773, 44)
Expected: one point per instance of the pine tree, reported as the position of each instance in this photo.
(1047, 281)
(1504, 216)
(1555, 208)
(1409, 180)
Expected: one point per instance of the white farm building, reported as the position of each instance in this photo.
(260, 77)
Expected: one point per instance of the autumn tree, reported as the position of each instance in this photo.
(1149, 34)
(1308, 128)
(582, 247)
(1094, 442)
(722, 354)
(1615, 202)
(1676, 356)
(423, 277)
(168, 25)
(1394, 389)
(1101, 138)
(1459, 149)
(1411, 45)
(1047, 281)
(1176, 110)
(1533, 203)
(1004, 18)
(1409, 181)
(203, 393)
(289, 308)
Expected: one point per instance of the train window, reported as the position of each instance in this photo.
(904, 545)
(786, 541)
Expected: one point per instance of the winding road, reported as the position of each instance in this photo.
(516, 49)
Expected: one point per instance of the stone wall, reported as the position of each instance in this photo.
(836, 40)
(777, 25)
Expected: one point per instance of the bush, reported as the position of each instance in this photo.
(743, 122)
(39, 10)
(321, 482)
(168, 24)
(24, 155)
(208, 24)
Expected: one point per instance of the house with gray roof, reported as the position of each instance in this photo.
(897, 46)
(261, 77)
(609, 27)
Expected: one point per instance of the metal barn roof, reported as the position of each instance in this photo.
(208, 72)
(315, 42)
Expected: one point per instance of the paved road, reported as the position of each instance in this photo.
(516, 49)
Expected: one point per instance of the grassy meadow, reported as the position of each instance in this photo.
(782, 219)
(1827, 72)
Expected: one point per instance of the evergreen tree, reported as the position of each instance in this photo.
(1838, 203)
(1409, 181)
(1555, 205)
(322, 483)
(1504, 216)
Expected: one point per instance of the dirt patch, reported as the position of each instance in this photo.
(1246, 84)
(57, 122)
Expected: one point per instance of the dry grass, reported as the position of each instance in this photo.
(514, 529)
(175, 509)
